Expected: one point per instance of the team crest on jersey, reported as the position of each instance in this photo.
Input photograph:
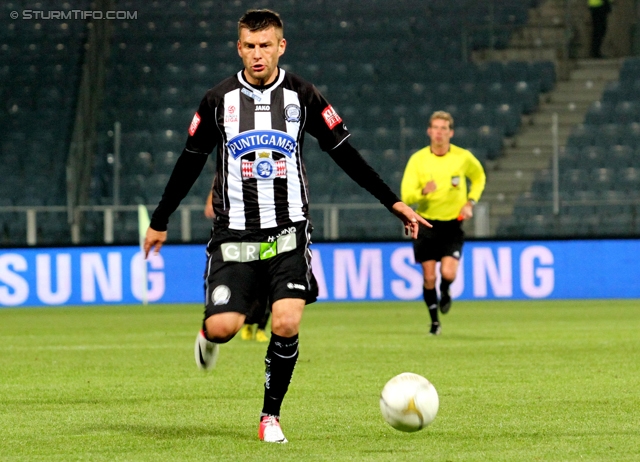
(264, 168)
(292, 113)
(455, 181)
(194, 124)
(331, 117)
(254, 140)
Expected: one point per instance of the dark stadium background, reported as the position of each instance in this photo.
(503, 68)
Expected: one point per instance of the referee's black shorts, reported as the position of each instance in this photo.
(445, 239)
(245, 269)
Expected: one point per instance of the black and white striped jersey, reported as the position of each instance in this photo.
(260, 179)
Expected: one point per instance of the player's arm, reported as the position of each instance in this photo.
(327, 127)
(208, 206)
(478, 179)
(201, 141)
(354, 165)
(184, 175)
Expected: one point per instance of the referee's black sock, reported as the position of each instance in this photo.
(282, 355)
(444, 286)
(431, 299)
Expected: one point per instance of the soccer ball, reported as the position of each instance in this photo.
(409, 402)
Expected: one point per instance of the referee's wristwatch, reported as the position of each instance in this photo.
(472, 202)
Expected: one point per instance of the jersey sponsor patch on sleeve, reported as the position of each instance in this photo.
(331, 117)
(194, 124)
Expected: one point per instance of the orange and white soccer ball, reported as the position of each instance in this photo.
(409, 402)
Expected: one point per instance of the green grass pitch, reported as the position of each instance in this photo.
(518, 381)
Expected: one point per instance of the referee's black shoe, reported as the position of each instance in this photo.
(435, 328)
(445, 302)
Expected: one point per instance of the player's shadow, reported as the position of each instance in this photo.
(171, 432)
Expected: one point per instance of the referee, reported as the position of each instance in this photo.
(435, 181)
(256, 121)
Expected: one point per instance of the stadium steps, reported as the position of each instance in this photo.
(532, 147)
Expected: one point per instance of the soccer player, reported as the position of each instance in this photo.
(257, 118)
(435, 180)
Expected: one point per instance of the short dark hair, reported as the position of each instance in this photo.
(256, 20)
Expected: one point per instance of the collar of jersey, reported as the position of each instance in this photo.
(281, 73)
(440, 155)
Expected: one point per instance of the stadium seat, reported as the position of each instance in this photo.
(608, 135)
(599, 113)
(612, 92)
(574, 179)
(615, 225)
(626, 112)
(526, 95)
(479, 116)
(582, 135)
(506, 116)
(630, 135)
(490, 138)
(592, 157)
(620, 156)
(630, 69)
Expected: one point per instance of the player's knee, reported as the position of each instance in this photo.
(285, 326)
(429, 281)
(220, 332)
(449, 274)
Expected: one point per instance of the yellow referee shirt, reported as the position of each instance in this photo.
(450, 173)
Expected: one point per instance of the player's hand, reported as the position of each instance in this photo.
(429, 187)
(410, 219)
(466, 211)
(154, 239)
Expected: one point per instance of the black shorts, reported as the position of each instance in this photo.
(445, 239)
(247, 269)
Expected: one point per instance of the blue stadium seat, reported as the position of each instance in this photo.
(506, 116)
(630, 69)
(464, 136)
(602, 179)
(592, 157)
(630, 135)
(612, 92)
(490, 138)
(615, 225)
(479, 116)
(620, 156)
(599, 113)
(628, 179)
(608, 135)
(582, 135)
(574, 179)
(626, 112)
(527, 94)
